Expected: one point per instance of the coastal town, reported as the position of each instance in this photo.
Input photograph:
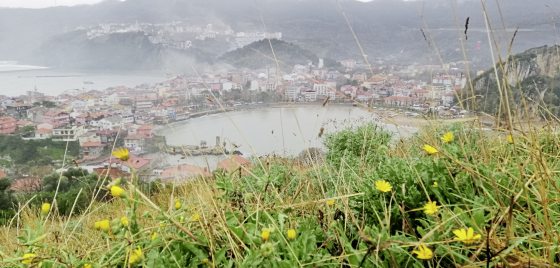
(129, 117)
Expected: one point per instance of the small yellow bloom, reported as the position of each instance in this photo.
(430, 149)
(383, 186)
(124, 221)
(448, 137)
(103, 225)
(423, 252)
(88, 265)
(466, 236)
(509, 139)
(45, 208)
(265, 234)
(431, 208)
(28, 258)
(136, 256)
(330, 202)
(292, 234)
(195, 217)
(122, 154)
(435, 185)
(178, 204)
(117, 191)
(154, 236)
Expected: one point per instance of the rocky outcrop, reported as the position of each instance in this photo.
(532, 76)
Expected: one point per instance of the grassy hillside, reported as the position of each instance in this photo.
(373, 203)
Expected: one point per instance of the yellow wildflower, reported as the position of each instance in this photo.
(117, 191)
(383, 186)
(435, 185)
(122, 154)
(509, 139)
(292, 234)
(178, 204)
(330, 202)
(265, 234)
(195, 217)
(154, 236)
(136, 256)
(88, 265)
(103, 225)
(466, 236)
(430, 149)
(448, 137)
(28, 258)
(45, 208)
(124, 221)
(423, 252)
(431, 208)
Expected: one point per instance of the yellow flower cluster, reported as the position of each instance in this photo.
(430, 208)
(265, 234)
(28, 258)
(102, 225)
(465, 236)
(383, 186)
(45, 209)
(136, 256)
(423, 252)
(291, 234)
(122, 154)
(117, 191)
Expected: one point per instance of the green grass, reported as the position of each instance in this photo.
(507, 192)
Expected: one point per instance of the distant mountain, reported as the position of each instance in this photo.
(401, 32)
(119, 51)
(531, 78)
(269, 53)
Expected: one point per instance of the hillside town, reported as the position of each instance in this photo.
(179, 34)
(129, 117)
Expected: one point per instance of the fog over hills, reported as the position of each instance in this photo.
(395, 31)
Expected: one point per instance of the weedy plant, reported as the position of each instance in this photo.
(480, 200)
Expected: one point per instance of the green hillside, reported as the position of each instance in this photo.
(452, 196)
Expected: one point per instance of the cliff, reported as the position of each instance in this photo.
(533, 75)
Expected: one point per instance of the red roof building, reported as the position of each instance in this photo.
(8, 125)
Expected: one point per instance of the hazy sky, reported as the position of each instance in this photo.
(44, 3)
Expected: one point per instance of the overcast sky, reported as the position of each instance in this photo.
(44, 3)
(50, 3)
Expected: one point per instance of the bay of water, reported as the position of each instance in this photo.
(16, 80)
(284, 130)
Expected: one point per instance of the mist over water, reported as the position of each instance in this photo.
(16, 79)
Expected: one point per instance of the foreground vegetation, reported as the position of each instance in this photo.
(450, 196)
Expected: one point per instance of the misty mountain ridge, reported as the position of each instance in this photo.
(401, 32)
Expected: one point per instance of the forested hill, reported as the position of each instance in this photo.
(270, 52)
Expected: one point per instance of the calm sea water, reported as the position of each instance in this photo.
(285, 131)
(16, 80)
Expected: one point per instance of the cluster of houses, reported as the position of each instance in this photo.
(97, 118)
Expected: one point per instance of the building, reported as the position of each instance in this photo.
(184, 171)
(399, 101)
(67, 134)
(44, 131)
(134, 142)
(91, 150)
(18, 109)
(8, 125)
(26, 185)
(233, 163)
